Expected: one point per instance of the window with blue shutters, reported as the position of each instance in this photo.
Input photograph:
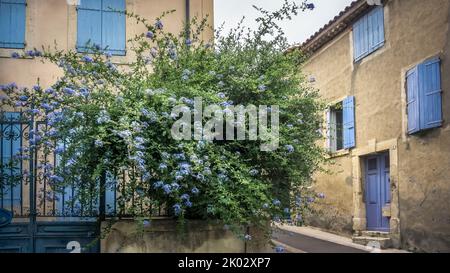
(102, 23)
(424, 96)
(12, 23)
(341, 125)
(368, 33)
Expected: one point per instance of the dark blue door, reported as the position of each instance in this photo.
(378, 192)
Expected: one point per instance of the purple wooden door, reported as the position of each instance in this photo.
(378, 192)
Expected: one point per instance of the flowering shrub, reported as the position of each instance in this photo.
(108, 120)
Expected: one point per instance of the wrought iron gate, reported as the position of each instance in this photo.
(44, 220)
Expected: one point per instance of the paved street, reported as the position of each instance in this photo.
(295, 242)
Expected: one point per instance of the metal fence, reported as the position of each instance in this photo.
(26, 190)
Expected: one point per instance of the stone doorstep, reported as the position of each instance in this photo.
(378, 234)
(373, 241)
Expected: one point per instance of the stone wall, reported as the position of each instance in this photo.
(164, 236)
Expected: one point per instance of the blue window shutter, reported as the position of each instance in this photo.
(89, 25)
(376, 28)
(412, 107)
(10, 146)
(113, 30)
(349, 122)
(12, 23)
(430, 94)
(360, 38)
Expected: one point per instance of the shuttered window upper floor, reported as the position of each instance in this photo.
(102, 23)
(368, 33)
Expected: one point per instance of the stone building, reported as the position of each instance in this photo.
(382, 70)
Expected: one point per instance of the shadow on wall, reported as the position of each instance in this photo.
(330, 218)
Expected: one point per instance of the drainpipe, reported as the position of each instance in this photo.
(188, 18)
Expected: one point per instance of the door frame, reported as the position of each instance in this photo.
(358, 173)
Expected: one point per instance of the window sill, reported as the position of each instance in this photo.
(339, 153)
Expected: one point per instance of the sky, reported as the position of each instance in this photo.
(297, 30)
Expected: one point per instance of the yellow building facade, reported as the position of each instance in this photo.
(389, 178)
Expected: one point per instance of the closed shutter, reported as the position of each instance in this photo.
(360, 38)
(12, 23)
(113, 27)
(412, 90)
(376, 28)
(430, 94)
(89, 25)
(349, 122)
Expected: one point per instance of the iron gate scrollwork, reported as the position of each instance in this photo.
(45, 219)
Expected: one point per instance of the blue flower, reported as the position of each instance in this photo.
(175, 186)
(254, 172)
(167, 189)
(195, 190)
(158, 184)
(37, 88)
(279, 249)
(159, 25)
(49, 91)
(23, 98)
(47, 106)
(188, 42)
(223, 177)
(262, 87)
(321, 195)
(84, 92)
(179, 156)
(310, 6)
(265, 206)
(150, 35)
(87, 59)
(30, 53)
(276, 202)
(298, 201)
(247, 237)
(177, 209)
(35, 111)
(60, 149)
(289, 148)
(287, 210)
(15, 55)
(56, 178)
(98, 143)
(124, 134)
(221, 95)
(146, 176)
(184, 197)
(188, 203)
(69, 91)
(162, 166)
(173, 54)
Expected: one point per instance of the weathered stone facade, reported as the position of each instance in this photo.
(415, 30)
